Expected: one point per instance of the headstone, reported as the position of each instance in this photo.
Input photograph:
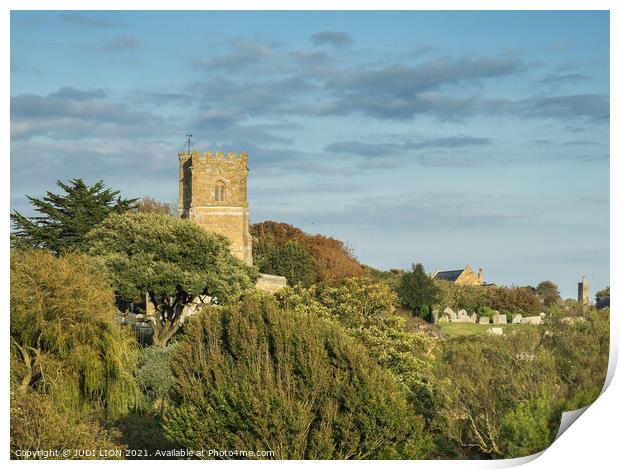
(448, 311)
(495, 331)
(518, 318)
(435, 316)
(484, 320)
(462, 312)
(444, 319)
(536, 320)
(473, 318)
(500, 319)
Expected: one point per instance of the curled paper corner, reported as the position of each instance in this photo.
(568, 418)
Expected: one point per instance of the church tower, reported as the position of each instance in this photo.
(213, 193)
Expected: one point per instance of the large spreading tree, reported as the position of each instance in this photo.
(173, 260)
(66, 218)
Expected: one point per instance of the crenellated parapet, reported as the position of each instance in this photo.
(215, 156)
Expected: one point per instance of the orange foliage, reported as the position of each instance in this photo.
(331, 259)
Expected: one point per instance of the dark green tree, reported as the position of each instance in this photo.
(173, 260)
(292, 261)
(66, 218)
(417, 291)
(548, 293)
(602, 298)
(254, 376)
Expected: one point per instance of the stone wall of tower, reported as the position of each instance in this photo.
(583, 291)
(225, 212)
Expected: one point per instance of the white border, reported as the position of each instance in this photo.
(591, 444)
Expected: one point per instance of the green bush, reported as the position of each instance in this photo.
(497, 396)
(252, 376)
(37, 424)
(154, 373)
(66, 338)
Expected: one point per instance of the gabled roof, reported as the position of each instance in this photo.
(448, 275)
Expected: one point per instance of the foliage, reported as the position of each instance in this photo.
(67, 218)
(66, 340)
(37, 425)
(364, 308)
(460, 296)
(254, 376)
(417, 290)
(172, 259)
(148, 205)
(355, 298)
(514, 299)
(290, 260)
(154, 374)
(492, 387)
(331, 259)
(602, 298)
(485, 300)
(581, 351)
(548, 293)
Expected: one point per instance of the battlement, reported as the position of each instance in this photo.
(215, 156)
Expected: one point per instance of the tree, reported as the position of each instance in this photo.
(148, 205)
(173, 260)
(548, 293)
(67, 218)
(331, 259)
(254, 376)
(66, 339)
(496, 396)
(417, 291)
(602, 298)
(364, 308)
(290, 260)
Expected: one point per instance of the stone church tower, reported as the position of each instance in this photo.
(213, 193)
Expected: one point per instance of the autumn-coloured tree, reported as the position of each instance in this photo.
(331, 258)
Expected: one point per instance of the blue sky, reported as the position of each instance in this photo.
(447, 138)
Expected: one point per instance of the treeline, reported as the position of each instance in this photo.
(329, 368)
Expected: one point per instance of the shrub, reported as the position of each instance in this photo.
(66, 339)
(252, 376)
(36, 425)
(497, 396)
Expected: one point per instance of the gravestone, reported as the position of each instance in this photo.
(536, 320)
(444, 319)
(473, 318)
(484, 320)
(499, 319)
(496, 331)
(435, 316)
(518, 318)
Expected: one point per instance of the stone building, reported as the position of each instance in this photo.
(583, 291)
(465, 276)
(213, 193)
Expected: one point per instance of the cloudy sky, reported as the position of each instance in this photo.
(445, 138)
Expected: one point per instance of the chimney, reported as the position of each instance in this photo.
(481, 275)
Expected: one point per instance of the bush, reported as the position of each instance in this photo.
(497, 396)
(154, 373)
(36, 425)
(364, 308)
(255, 377)
(290, 260)
(66, 339)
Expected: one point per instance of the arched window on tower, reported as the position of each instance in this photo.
(220, 191)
